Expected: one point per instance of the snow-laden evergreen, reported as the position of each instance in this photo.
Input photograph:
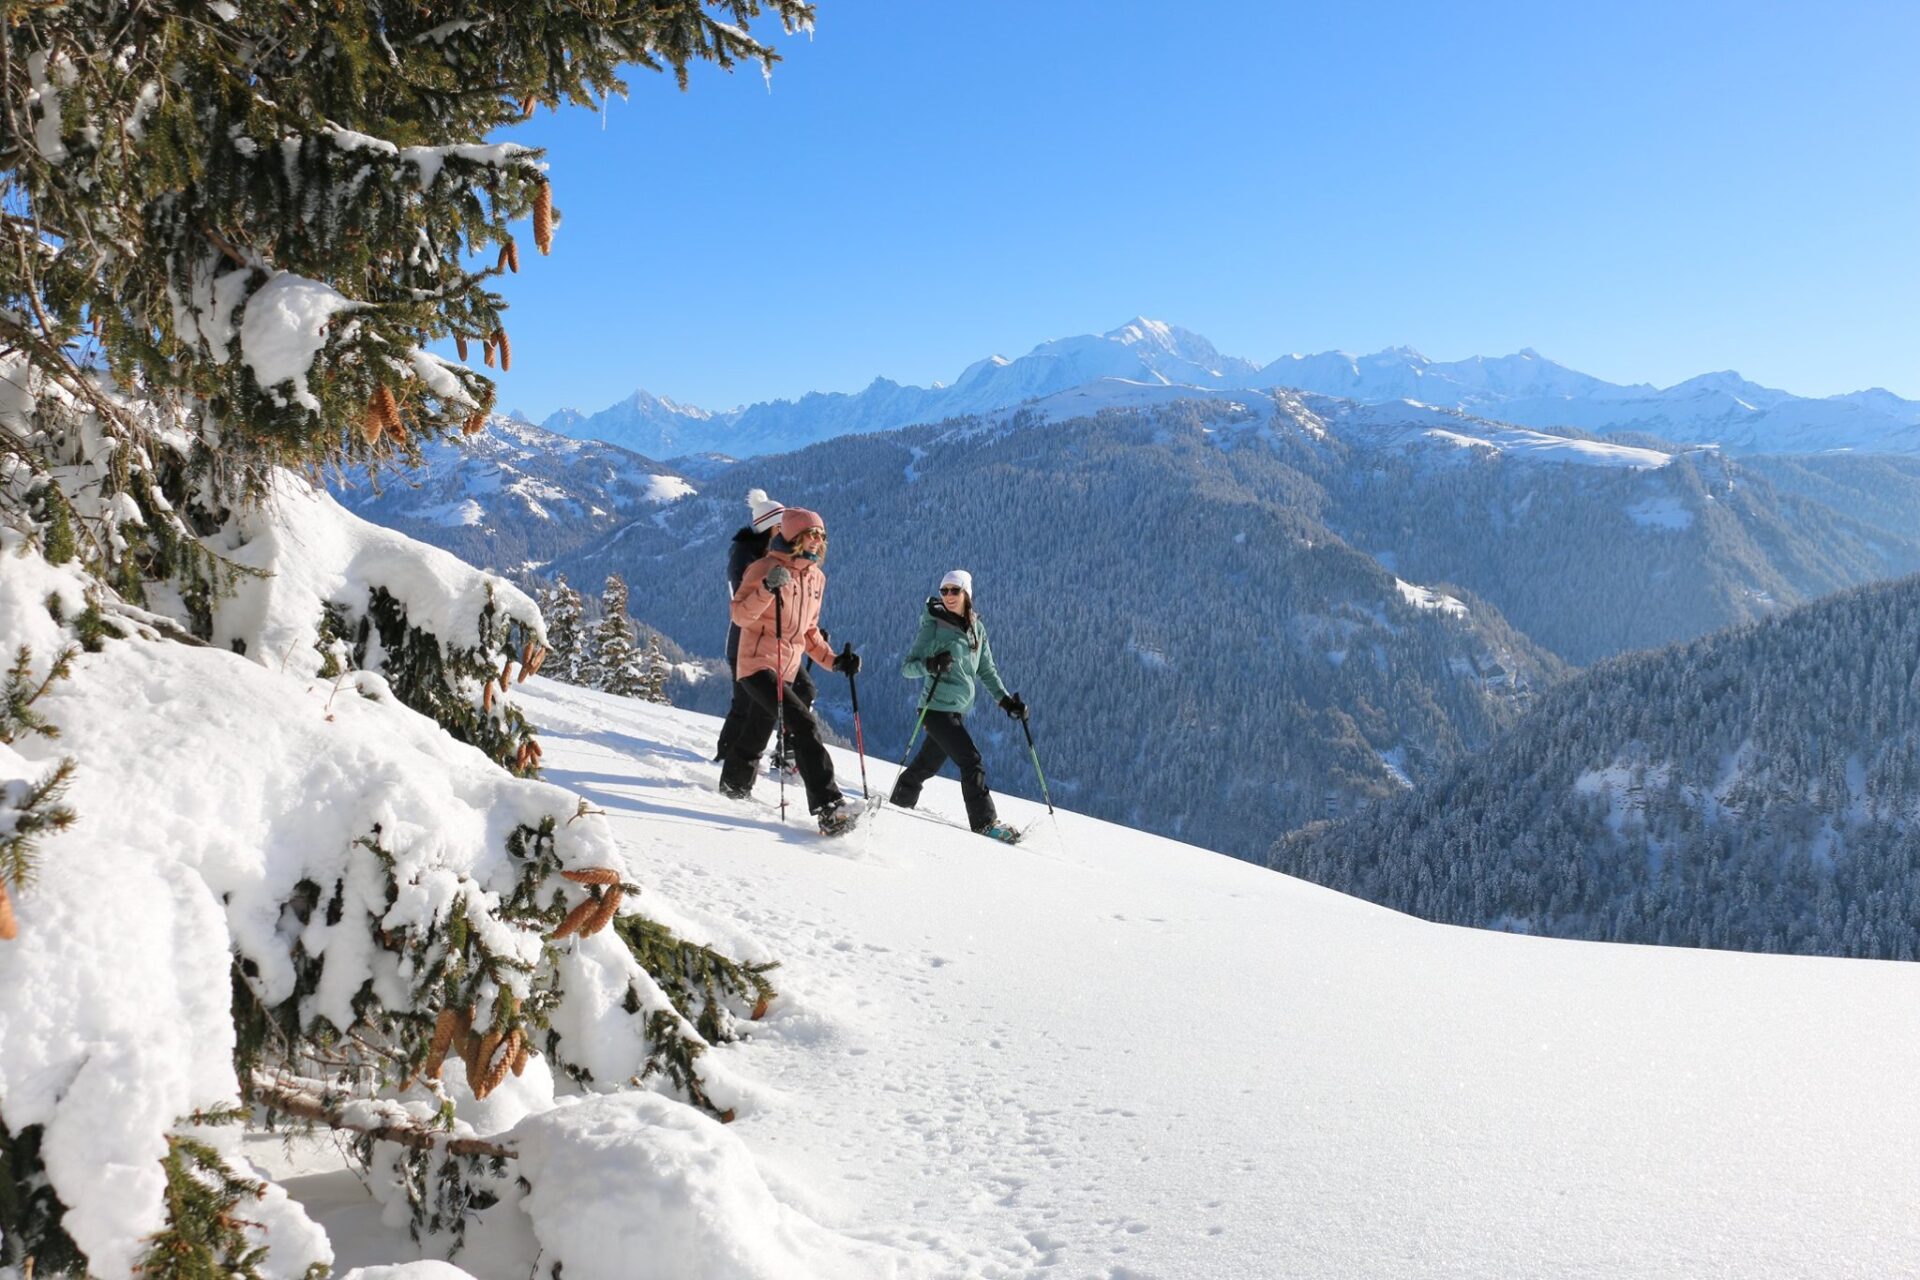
(273, 838)
(280, 872)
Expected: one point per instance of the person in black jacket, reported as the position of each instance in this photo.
(749, 544)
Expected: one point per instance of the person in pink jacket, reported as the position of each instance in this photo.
(777, 609)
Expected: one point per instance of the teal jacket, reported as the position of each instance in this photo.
(942, 631)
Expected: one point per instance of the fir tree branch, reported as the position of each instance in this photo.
(310, 1100)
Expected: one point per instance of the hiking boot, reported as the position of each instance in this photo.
(732, 792)
(838, 818)
(997, 830)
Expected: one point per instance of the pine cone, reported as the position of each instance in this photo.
(452, 1025)
(497, 1055)
(486, 351)
(506, 670)
(476, 423)
(460, 345)
(506, 350)
(521, 1054)
(388, 409)
(600, 919)
(593, 875)
(543, 218)
(539, 660)
(371, 424)
(526, 661)
(513, 256)
(9, 926)
(575, 918)
(760, 1007)
(526, 108)
(486, 699)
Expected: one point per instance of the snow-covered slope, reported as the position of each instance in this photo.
(1525, 388)
(1403, 424)
(1109, 1055)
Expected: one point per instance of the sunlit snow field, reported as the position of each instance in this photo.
(1105, 1054)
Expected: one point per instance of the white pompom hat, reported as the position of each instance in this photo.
(766, 512)
(959, 578)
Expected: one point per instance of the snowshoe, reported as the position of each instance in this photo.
(838, 819)
(783, 764)
(999, 831)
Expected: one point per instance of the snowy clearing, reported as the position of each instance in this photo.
(1106, 1054)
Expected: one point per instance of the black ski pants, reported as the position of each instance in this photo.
(742, 762)
(948, 739)
(737, 709)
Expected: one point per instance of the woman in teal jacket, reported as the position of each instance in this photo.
(948, 654)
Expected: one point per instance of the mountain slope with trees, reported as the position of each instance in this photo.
(1758, 789)
(1203, 656)
(511, 496)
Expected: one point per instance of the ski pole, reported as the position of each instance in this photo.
(922, 719)
(1034, 752)
(859, 739)
(780, 696)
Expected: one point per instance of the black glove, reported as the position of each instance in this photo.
(1012, 705)
(847, 662)
(778, 577)
(939, 664)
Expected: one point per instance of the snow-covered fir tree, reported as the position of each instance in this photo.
(654, 686)
(228, 236)
(617, 663)
(561, 606)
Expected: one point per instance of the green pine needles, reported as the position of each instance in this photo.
(229, 237)
(206, 1233)
(30, 1213)
(457, 686)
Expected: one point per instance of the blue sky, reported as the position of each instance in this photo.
(1643, 192)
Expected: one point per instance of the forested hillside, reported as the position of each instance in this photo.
(1594, 561)
(1588, 547)
(1758, 789)
(1204, 657)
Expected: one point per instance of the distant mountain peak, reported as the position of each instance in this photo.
(1525, 388)
(1141, 329)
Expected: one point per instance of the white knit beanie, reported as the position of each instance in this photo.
(959, 578)
(766, 512)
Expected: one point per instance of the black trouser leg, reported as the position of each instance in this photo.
(926, 762)
(738, 713)
(740, 764)
(948, 739)
(803, 732)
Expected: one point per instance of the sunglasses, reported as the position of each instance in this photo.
(815, 532)
(952, 591)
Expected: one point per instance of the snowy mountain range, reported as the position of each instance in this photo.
(514, 495)
(1525, 389)
(1345, 515)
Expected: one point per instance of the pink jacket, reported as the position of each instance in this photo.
(799, 618)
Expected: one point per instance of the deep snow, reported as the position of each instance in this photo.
(1104, 1054)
